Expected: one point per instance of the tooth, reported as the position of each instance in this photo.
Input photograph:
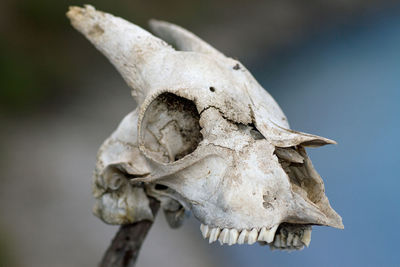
(263, 233)
(267, 235)
(290, 239)
(204, 230)
(296, 241)
(233, 236)
(214, 235)
(252, 238)
(224, 236)
(242, 237)
(271, 234)
(306, 239)
(283, 240)
(277, 242)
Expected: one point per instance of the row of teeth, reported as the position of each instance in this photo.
(291, 241)
(281, 240)
(233, 236)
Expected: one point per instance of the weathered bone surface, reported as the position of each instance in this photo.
(205, 138)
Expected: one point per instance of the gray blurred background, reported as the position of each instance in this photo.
(333, 66)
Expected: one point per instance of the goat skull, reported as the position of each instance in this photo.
(205, 137)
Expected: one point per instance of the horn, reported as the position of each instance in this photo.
(182, 39)
(127, 46)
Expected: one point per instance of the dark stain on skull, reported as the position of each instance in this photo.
(96, 31)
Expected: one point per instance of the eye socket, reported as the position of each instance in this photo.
(170, 128)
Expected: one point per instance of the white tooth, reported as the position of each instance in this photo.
(233, 236)
(277, 242)
(204, 230)
(289, 240)
(296, 241)
(214, 235)
(271, 234)
(224, 236)
(242, 237)
(262, 234)
(306, 239)
(267, 235)
(283, 240)
(252, 238)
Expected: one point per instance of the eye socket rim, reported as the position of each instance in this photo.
(141, 118)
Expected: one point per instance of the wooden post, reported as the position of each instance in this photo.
(124, 248)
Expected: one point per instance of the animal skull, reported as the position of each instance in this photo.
(205, 137)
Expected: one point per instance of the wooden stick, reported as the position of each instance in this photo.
(124, 248)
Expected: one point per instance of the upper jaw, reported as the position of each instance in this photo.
(284, 236)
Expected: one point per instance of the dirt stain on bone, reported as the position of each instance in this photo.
(96, 31)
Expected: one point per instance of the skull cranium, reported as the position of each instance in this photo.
(205, 137)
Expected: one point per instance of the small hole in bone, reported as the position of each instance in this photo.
(116, 181)
(113, 178)
(160, 187)
(212, 89)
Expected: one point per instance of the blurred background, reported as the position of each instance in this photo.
(333, 66)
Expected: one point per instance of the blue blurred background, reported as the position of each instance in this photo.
(333, 67)
(345, 84)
